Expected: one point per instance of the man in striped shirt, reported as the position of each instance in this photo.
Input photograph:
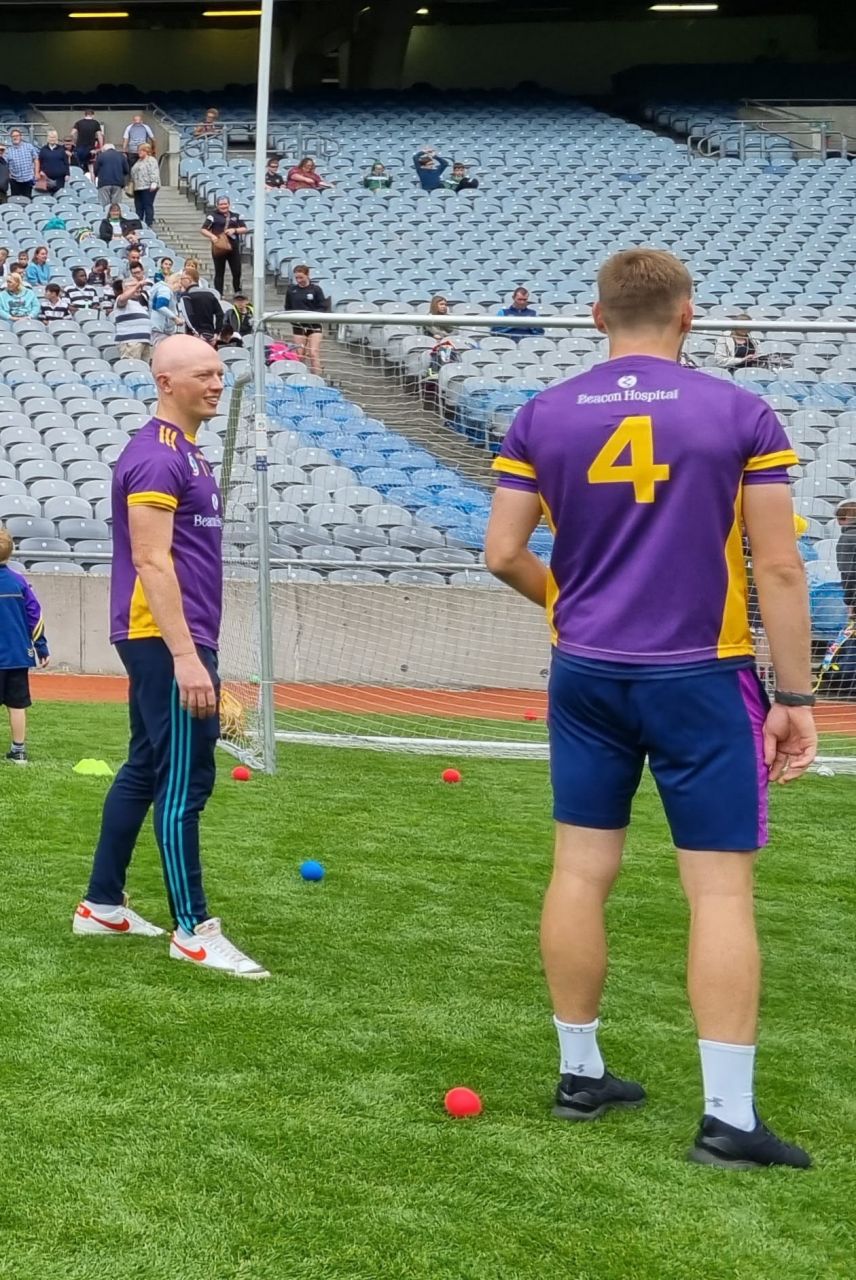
(80, 293)
(132, 317)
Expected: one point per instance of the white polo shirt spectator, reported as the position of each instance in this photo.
(132, 317)
(54, 305)
(23, 161)
(134, 136)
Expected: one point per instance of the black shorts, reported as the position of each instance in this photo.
(15, 688)
(304, 330)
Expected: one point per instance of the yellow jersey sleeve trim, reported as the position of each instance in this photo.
(767, 461)
(514, 468)
(151, 498)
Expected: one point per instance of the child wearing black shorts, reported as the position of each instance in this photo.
(22, 645)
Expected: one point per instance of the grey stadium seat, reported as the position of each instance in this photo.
(296, 574)
(446, 555)
(18, 505)
(30, 527)
(60, 566)
(69, 508)
(359, 536)
(417, 578)
(302, 535)
(48, 487)
(75, 530)
(418, 538)
(100, 570)
(356, 577)
(388, 555)
(474, 578)
(331, 554)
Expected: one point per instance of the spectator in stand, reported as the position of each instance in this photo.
(303, 177)
(519, 307)
(145, 178)
(459, 179)
(86, 136)
(224, 229)
(80, 293)
(203, 314)
(165, 269)
(133, 138)
(133, 258)
(430, 168)
(114, 223)
(227, 337)
(166, 316)
(22, 262)
(5, 177)
(38, 273)
(54, 305)
(23, 160)
(100, 278)
(439, 306)
(377, 178)
(53, 162)
(304, 295)
(736, 350)
(70, 154)
(240, 315)
(193, 264)
(132, 317)
(273, 177)
(209, 126)
(4, 265)
(18, 301)
(111, 174)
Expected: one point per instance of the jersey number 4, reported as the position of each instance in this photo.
(634, 436)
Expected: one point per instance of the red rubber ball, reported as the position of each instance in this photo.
(461, 1101)
(241, 773)
(451, 775)
(530, 714)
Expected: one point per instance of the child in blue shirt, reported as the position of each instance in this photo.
(22, 645)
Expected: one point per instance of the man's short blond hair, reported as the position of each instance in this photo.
(7, 546)
(642, 288)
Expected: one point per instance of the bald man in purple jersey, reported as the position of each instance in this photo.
(648, 473)
(165, 610)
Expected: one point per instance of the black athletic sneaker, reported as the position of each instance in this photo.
(17, 757)
(729, 1148)
(585, 1098)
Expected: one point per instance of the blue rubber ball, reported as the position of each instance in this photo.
(311, 870)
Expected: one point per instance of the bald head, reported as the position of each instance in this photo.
(189, 377)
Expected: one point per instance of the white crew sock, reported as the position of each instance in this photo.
(580, 1055)
(727, 1071)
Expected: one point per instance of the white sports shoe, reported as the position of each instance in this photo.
(91, 919)
(210, 949)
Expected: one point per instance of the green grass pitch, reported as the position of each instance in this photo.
(159, 1121)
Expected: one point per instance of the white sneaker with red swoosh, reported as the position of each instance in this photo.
(92, 918)
(208, 947)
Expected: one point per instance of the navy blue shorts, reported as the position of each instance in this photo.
(701, 732)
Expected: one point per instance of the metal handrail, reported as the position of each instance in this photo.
(710, 144)
(303, 138)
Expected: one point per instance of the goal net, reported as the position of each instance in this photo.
(388, 631)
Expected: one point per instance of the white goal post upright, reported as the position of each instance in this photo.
(266, 673)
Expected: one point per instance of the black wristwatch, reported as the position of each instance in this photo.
(794, 699)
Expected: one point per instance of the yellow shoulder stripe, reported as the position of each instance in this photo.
(151, 498)
(514, 468)
(766, 461)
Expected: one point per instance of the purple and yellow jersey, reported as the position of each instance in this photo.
(161, 467)
(640, 466)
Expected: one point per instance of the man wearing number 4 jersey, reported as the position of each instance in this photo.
(648, 473)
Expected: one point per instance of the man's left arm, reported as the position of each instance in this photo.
(514, 516)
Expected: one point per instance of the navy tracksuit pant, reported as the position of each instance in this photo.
(170, 765)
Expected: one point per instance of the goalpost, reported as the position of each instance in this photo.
(372, 622)
(387, 632)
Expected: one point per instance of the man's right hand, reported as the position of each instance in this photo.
(195, 686)
(790, 742)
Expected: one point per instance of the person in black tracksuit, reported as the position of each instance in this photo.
(304, 295)
(223, 222)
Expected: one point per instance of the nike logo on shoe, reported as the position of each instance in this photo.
(118, 926)
(199, 954)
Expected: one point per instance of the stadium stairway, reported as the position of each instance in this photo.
(178, 222)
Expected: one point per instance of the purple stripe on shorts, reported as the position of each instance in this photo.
(755, 703)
